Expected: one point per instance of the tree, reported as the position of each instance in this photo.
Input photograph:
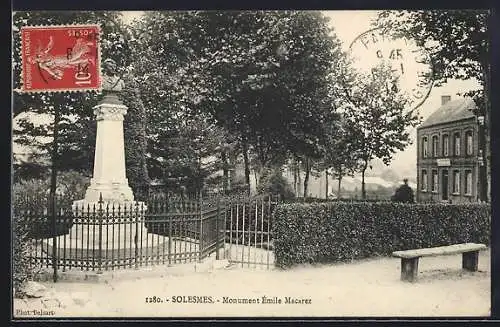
(458, 43)
(343, 152)
(378, 116)
(272, 182)
(403, 193)
(135, 137)
(262, 76)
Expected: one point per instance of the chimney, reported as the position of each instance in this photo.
(445, 99)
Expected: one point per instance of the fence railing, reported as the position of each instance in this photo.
(249, 238)
(103, 236)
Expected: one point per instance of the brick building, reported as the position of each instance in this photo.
(449, 156)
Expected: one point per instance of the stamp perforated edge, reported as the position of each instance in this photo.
(97, 90)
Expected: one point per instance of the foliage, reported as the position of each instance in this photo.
(30, 218)
(377, 117)
(262, 76)
(186, 154)
(29, 170)
(403, 193)
(458, 41)
(272, 182)
(32, 198)
(71, 186)
(21, 249)
(134, 126)
(343, 231)
(342, 152)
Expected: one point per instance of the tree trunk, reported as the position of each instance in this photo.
(299, 179)
(306, 178)
(233, 158)
(54, 163)
(247, 166)
(363, 190)
(53, 189)
(339, 186)
(326, 184)
(225, 172)
(295, 177)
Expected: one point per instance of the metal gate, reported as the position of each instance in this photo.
(248, 236)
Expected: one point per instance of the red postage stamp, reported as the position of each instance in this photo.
(60, 58)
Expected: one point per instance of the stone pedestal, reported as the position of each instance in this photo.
(109, 178)
(112, 224)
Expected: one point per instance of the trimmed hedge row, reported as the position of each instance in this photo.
(342, 231)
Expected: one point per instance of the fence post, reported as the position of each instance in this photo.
(100, 215)
(136, 252)
(201, 227)
(54, 237)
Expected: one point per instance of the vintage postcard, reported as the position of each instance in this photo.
(221, 164)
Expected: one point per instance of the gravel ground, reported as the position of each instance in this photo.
(362, 288)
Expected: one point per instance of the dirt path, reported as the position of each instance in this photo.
(363, 288)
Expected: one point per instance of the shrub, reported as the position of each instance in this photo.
(32, 197)
(342, 231)
(272, 182)
(404, 193)
(22, 270)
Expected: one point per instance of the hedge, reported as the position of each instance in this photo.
(343, 231)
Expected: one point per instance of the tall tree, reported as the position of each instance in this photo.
(262, 76)
(342, 155)
(135, 137)
(378, 115)
(458, 41)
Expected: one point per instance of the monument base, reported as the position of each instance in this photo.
(111, 192)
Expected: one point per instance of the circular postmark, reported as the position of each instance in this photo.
(411, 64)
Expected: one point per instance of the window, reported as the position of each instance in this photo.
(435, 146)
(424, 181)
(446, 145)
(457, 144)
(456, 181)
(468, 143)
(424, 147)
(434, 181)
(468, 182)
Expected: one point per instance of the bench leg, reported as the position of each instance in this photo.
(409, 269)
(470, 260)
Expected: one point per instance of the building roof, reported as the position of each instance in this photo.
(451, 111)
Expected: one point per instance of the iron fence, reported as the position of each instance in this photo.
(103, 236)
(249, 235)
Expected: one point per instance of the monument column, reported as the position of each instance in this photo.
(109, 178)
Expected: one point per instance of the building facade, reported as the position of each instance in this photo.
(448, 159)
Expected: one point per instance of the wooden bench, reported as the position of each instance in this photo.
(409, 258)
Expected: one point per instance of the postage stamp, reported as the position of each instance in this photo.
(60, 58)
